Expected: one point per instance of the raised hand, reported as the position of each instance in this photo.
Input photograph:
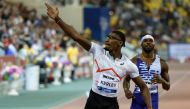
(52, 12)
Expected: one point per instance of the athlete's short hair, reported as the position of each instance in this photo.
(121, 35)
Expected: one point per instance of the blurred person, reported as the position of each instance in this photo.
(63, 42)
(109, 68)
(31, 53)
(152, 69)
(87, 34)
(73, 55)
(36, 47)
(84, 64)
(152, 4)
(22, 53)
(9, 48)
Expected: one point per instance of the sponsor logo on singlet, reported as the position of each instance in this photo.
(108, 77)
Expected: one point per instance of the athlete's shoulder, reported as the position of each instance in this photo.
(163, 63)
(95, 44)
(134, 59)
(96, 47)
(163, 60)
(127, 61)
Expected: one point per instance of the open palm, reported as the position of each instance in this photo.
(52, 12)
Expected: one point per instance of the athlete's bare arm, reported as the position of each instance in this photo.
(126, 83)
(126, 87)
(144, 91)
(164, 77)
(53, 13)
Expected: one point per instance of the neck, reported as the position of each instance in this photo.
(116, 54)
(148, 55)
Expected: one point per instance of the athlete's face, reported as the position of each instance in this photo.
(113, 42)
(148, 45)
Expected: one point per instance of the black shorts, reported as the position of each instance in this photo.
(96, 101)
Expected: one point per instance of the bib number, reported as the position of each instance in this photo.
(108, 83)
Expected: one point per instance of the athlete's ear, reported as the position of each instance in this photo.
(155, 50)
(121, 43)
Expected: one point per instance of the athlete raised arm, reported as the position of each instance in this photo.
(53, 13)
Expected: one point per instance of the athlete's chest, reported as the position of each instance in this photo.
(146, 72)
(107, 64)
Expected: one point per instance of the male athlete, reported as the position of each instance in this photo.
(152, 69)
(109, 66)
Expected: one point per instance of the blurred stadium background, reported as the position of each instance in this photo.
(42, 68)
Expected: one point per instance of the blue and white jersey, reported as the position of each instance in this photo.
(148, 74)
(108, 72)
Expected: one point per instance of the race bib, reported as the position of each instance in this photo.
(108, 83)
(153, 88)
